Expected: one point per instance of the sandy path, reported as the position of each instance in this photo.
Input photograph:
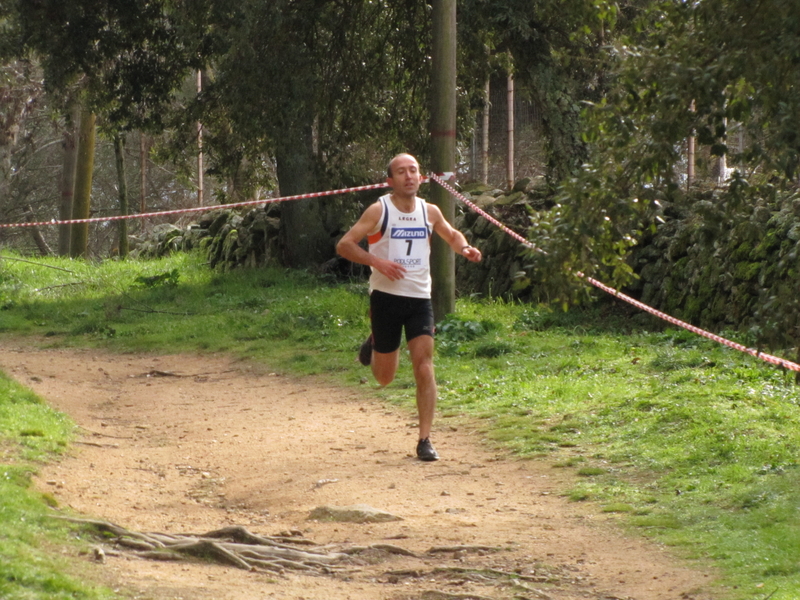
(220, 443)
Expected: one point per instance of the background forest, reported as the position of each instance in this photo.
(661, 137)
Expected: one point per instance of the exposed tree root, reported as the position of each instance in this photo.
(238, 547)
(234, 546)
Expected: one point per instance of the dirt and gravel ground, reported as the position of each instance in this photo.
(183, 444)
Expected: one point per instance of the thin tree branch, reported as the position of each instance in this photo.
(36, 263)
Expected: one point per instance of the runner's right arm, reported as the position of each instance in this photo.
(348, 247)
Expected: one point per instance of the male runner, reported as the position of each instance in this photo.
(398, 228)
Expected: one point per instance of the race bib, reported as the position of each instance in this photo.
(408, 246)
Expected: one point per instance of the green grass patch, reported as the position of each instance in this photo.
(34, 547)
(618, 507)
(691, 443)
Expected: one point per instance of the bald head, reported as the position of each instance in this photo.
(404, 176)
(400, 158)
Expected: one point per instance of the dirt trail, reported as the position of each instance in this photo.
(193, 443)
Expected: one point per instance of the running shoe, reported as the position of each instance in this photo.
(426, 451)
(365, 353)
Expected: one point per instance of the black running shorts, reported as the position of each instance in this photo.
(390, 314)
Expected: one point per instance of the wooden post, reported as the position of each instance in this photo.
(443, 151)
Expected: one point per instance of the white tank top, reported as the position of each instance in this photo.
(404, 238)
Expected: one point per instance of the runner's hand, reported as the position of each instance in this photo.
(471, 253)
(391, 270)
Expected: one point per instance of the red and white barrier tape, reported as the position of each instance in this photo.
(775, 360)
(374, 186)
(484, 214)
(781, 362)
(439, 179)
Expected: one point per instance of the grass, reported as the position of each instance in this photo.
(34, 546)
(680, 439)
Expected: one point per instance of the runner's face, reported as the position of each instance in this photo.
(405, 177)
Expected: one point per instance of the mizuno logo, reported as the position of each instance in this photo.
(409, 233)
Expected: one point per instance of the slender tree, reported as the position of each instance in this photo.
(81, 206)
(67, 183)
(122, 190)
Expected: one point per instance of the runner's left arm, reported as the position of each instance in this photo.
(452, 236)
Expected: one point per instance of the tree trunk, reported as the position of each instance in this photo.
(79, 237)
(143, 153)
(690, 158)
(443, 155)
(68, 180)
(510, 173)
(485, 131)
(240, 188)
(119, 155)
(304, 238)
(38, 238)
(200, 168)
(722, 161)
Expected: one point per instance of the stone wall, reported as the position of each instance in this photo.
(228, 238)
(504, 270)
